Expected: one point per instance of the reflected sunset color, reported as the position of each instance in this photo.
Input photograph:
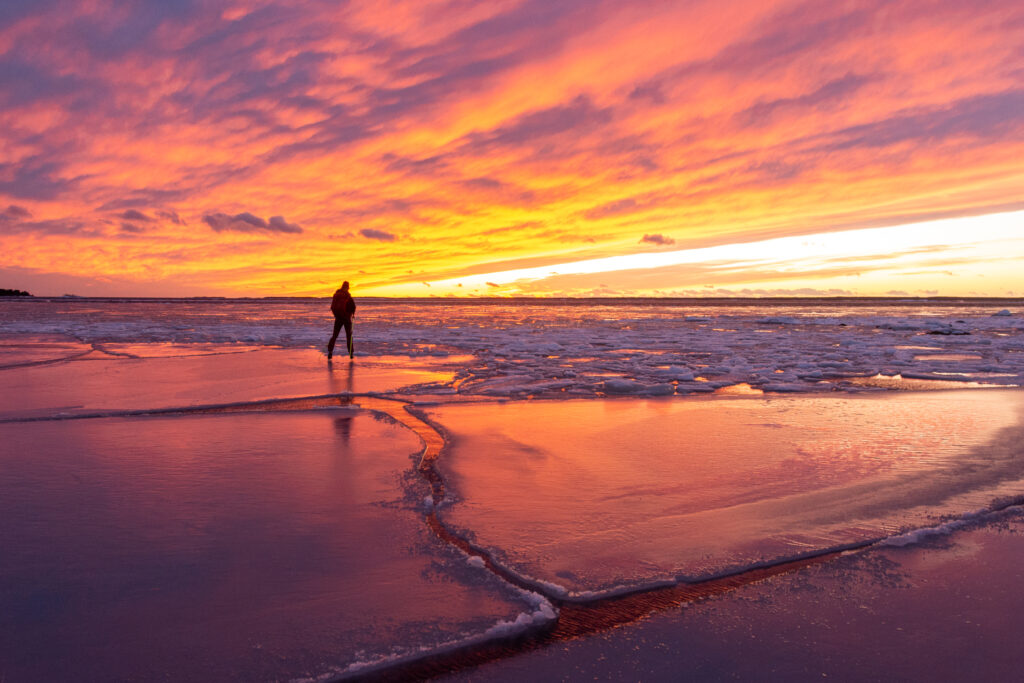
(518, 147)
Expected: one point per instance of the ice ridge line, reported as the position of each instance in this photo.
(297, 403)
(49, 361)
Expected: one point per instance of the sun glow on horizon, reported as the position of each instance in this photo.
(976, 243)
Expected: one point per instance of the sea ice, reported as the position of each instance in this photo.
(29, 350)
(263, 546)
(594, 496)
(946, 613)
(496, 344)
(111, 383)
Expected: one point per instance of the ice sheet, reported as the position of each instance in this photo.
(585, 497)
(948, 611)
(569, 348)
(28, 350)
(224, 547)
(115, 383)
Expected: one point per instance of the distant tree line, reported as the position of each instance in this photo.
(13, 292)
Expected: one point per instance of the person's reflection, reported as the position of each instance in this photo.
(343, 425)
(341, 381)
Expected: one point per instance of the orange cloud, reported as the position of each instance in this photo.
(169, 143)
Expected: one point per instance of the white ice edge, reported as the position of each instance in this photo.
(526, 621)
(980, 515)
(258, 405)
(541, 614)
(913, 536)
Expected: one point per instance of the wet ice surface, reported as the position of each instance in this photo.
(644, 347)
(102, 382)
(587, 497)
(946, 610)
(223, 547)
(240, 546)
(28, 350)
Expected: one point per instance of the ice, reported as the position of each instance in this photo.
(523, 347)
(115, 383)
(261, 546)
(593, 497)
(918, 535)
(622, 386)
(29, 350)
(945, 612)
(190, 502)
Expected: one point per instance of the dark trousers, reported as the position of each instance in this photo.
(338, 323)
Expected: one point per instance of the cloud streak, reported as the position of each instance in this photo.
(476, 133)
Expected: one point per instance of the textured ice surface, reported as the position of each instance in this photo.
(589, 496)
(224, 547)
(942, 612)
(638, 347)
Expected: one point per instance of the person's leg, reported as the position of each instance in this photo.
(348, 338)
(334, 338)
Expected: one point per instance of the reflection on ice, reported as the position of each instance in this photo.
(945, 612)
(155, 383)
(29, 350)
(167, 349)
(589, 496)
(231, 547)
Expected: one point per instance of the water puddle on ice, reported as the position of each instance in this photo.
(28, 350)
(259, 546)
(741, 389)
(901, 383)
(171, 350)
(948, 356)
(111, 383)
(589, 497)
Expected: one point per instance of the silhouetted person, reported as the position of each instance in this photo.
(343, 307)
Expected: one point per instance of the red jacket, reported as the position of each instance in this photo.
(343, 305)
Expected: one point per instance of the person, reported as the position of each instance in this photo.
(343, 306)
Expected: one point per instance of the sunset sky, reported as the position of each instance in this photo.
(512, 147)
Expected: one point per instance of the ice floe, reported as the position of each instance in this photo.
(523, 349)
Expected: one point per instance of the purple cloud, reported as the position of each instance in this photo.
(247, 222)
(171, 216)
(17, 212)
(575, 118)
(35, 178)
(135, 215)
(374, 234)
(279, 224)
(657, 239)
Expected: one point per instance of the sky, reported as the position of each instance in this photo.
(512, 147)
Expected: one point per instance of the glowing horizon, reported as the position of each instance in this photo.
(264, 148)
(985, 239)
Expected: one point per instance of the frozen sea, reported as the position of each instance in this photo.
(520, 348)
(502, 489)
